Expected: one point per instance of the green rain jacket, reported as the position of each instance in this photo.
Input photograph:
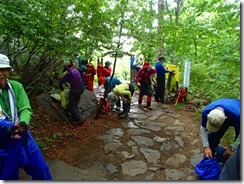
(24, 110)
(122, 90)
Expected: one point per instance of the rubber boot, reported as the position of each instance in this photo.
(126, 109)
(149, 106)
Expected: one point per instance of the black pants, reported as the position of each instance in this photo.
(74, 98)
(160, 90)
(145, 88)
(126, 104)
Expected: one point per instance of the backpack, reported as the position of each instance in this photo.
(64, 98)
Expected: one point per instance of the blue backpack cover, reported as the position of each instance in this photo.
(207, 169)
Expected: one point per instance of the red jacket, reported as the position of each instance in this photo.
(90, 72)
(107, 71)
(145, 73)
(99, 70)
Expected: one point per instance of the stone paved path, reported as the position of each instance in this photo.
(154, 145)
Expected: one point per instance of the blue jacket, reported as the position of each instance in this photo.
(113, 83)
(160, 69)
(231, 109)
(108, 87)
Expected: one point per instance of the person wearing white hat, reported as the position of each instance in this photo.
(217, 117)
(17, 146)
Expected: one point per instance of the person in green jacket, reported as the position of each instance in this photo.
(17, 146)
(125, 91)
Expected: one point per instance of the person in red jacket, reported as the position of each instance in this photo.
(89, 75)
(100, 71)
(107, 70)
(143, 80)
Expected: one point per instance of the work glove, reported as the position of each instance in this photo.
(17, 130)
(22, 127)
(228, 152)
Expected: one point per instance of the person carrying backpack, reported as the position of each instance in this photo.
(143, 80)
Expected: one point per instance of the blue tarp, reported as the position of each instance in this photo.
(207, 169)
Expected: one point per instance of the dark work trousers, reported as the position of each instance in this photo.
(215, 137)
(145, 88)
(126, 105)
(232, 167)
(160, 90)
(74, 98)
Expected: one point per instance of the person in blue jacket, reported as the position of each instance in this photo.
(160, 71)
(17, 146)
(109, 84)
(217, 117)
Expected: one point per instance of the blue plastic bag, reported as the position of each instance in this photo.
(207, 169)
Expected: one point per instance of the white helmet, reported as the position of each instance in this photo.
(112, 97)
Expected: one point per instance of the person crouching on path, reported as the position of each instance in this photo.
(217, 117)
(17, 146)
(109, 86)
(125, 91)
(143, 80)
(76, 90)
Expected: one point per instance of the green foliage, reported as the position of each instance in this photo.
(42, 143)
(38, 35)
(55, 136)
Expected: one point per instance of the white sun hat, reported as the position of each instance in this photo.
(4, 61)
(216, 118)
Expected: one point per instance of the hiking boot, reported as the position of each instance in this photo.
(149, 108)
(124, 115)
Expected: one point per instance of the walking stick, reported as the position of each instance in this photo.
(56, 107)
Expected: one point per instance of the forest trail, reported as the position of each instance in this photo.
(162, 144)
